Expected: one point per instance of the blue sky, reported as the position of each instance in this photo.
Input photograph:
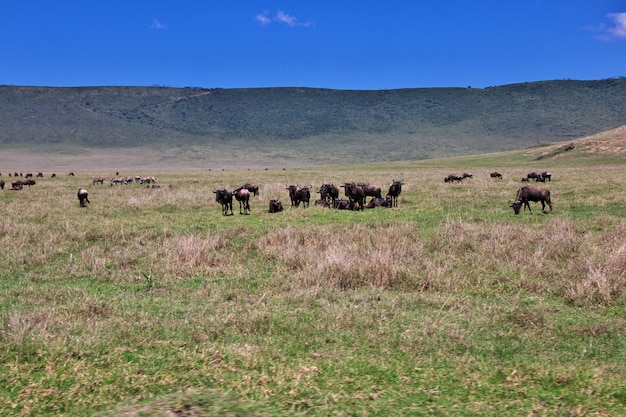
(317, 43)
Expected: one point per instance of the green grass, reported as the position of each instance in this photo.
(149, 302)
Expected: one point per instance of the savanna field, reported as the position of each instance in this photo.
(150, 302)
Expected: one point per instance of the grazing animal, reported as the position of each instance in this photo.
(1, 185)
(329, 192)
(546, 176)
(496, 175)
(533, 175)
(83, 197)
(117, 181)
(354, 193)
(369, 190)
(254, 189)
(394, 191)
(98, 180)
(53, 175)
(275, 206)
(299, 195)
(379, 202)
(243, 196)
(40, 175)
(225, 198)
(467, 175)
(535, 194)
(71, 174)
(452, 178)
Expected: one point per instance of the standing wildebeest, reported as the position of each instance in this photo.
(98, 180)
(1, 185)
(299, 195)
(467, 175)
(225, 198)
(243, 196)
(496, 175)
(370, 190)
(275, 206)
(355, 193)
(546, 176)
(83, 197)
(536, 194)
(394, 191)
(329, 192)
(253, 188)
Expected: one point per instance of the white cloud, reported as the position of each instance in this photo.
(157, 25)
(615, 30)
(281, 17)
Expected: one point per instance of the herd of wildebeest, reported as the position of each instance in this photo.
(356, 193)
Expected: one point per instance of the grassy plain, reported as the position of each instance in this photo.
(149, 302)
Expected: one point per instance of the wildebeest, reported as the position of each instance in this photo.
(1, 185)
(117, 181)
(299, 195)
(452, 178)
(323, 203)
(496, 175)
(394, 191)
(379, 202)
(40, 175)
(98, 180)
(275, 206)
(467, 175)
(16, 185)
(533, 175)
(546, 176)
(355, 193)
(83, 197)
(535, 194)
(346, 205)
(370, 190)
(329, 192)
(225, 198)
(243, 196)
(253, 188)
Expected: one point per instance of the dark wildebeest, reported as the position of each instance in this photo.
(1, 185)
(40, 175)
(533, 175)
(346, 205)
(355, 193)
(535, 194)
(496, 175)
(275, 206)
(299, 195)
(329, 192)
(83, 197)
(243, 196)
(546, 176)
(370, 190)
(379, 202)
(452, 178)
(225, 198)
(467, 175)
(254, 189)
(394, 191)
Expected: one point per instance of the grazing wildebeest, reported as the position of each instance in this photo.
(117, 181)
(467, 175)
(53, 175)
(299, 195)
(98, 180)
(546, 176)
(71, 174)
(1, 185)
(452, 178)
(253, 188)
(329, 192)
(275, 206)
(243, 196)
(535, 194)
(496, 175)
(40, 175)
(379, 202)
(225, 198)
(394, 191)
(533, 175)
(83, 197)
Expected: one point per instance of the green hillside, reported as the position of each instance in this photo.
(307, 125)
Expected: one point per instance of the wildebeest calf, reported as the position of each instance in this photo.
(275, 206)
(83, 197)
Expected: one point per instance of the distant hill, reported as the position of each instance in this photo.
(289, 126)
